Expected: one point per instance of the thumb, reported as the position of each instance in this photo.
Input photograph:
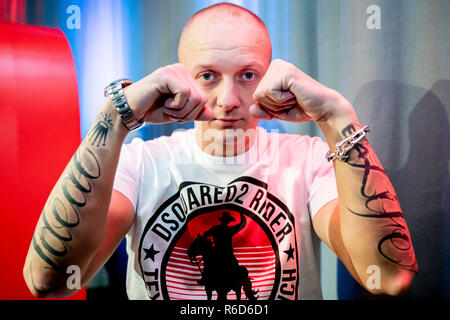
(205, 115)
(258, 112)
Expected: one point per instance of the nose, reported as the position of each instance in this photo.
(228, 96)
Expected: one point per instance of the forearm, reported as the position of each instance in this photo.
(368, 229)
(372, 226)
(72, 224)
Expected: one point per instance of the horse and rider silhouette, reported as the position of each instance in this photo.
(221, 270)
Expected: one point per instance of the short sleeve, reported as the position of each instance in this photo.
(125, 179)
(323, 180)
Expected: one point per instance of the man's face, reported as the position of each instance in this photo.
(227, 59)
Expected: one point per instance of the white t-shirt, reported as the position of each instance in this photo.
(261, 204)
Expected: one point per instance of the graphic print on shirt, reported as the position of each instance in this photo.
(229, 243)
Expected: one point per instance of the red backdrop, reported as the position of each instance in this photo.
(39, 132)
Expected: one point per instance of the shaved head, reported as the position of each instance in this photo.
(227, 50)
(230, 15)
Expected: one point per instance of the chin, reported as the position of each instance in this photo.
(227, 127)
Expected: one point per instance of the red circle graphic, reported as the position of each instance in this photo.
(251, 247)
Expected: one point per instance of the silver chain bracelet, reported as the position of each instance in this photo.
(343, 147)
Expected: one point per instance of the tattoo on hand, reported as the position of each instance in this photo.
(395, 246)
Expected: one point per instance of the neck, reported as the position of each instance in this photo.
(224, 143)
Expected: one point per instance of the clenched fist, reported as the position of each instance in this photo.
(168, 94)
(287, 93)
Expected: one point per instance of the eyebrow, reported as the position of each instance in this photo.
(251, 65)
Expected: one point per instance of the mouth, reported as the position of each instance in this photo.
(226, 122)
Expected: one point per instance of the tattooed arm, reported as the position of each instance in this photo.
(365, 226)
(73, 222)
(76, 227)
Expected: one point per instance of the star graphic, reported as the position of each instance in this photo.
(290, 252)
(150, 253)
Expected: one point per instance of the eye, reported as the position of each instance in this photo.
(248, 75)
(207, 76)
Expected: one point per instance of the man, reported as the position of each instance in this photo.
(169, 190)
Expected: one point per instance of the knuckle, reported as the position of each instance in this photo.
(185, 91)
(278, 61)
(196, 99)
(162, 70)
(259, 93)
(169, 103)
(178, 67)
(162, 74)
(267, 92)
